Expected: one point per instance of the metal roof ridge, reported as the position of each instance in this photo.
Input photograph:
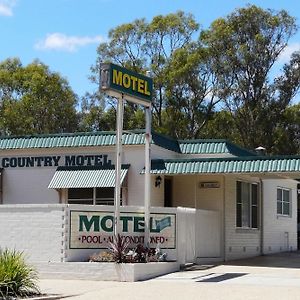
(70, 134)
(195, 141)
(231, 147)
(239, 148)
(235, 158)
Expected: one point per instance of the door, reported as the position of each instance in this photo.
(168, 191)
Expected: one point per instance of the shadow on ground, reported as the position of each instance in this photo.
(279, 260)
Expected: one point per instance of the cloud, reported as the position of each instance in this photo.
(61, 42)
(6, 7)
(285, 56)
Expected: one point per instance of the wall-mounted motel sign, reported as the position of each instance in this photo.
(116, 80)
(94, 229)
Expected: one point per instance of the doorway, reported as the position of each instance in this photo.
(168, 182)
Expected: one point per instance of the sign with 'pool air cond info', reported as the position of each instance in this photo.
(94, 229)
(117, 81)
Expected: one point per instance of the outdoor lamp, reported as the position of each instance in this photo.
(157, 181)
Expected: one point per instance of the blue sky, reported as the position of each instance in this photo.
(64, 34)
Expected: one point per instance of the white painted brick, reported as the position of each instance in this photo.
(276, 227)
(34, 229)
(238, 243)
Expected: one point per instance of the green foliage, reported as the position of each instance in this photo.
(17, 279)
(95, 118)
(221, 125)
(119, 249)
(103, 256)
(121, 253)
(142, 254)
(287, 133)
(220, 85)
(190, 91)
(244, 48)
(148, 46)
(34, 100)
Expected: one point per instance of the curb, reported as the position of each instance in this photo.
(46, 297)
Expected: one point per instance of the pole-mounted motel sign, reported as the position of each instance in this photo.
(136, 87)
(124, 84)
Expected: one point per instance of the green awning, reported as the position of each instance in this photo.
(85, 177)
(253, 164)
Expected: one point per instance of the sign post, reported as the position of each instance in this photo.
(148, 138)
(120, 113)
(119, 82)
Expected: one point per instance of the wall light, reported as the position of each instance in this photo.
(157, 181)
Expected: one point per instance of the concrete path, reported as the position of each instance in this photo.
(268, 277)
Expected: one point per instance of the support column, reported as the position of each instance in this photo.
(148, 138)
(120, 109)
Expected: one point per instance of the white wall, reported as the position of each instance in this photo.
(37, 230)
(208, 234)
(279, 232)
(28, 186)
(239, 243)
(157, 193)
(184, 190)
(210, 198)
(186, 235)
(135, 155)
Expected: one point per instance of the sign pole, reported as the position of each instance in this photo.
(120, 111)
(148, 138)
(115, 81)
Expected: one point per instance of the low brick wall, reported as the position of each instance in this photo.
(42, 231)
(37, 230)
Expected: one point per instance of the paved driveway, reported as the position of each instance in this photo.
(268, 277)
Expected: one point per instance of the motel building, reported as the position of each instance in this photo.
(210, 199)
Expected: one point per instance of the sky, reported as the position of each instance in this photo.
(64, 34)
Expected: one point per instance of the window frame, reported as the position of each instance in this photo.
(252, 206)
(282, 201)
(95, 197)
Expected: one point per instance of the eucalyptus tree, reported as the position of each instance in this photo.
(166, 48)
(245, 46)
(34, 99)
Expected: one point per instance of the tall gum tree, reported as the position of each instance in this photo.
(144, 46)
(34, 100)
(245, 46)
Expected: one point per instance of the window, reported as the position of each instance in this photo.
(80, 196)
(105, 196)
(246, 205)
(283, 202)
(102, 196)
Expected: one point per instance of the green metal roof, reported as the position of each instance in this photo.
(84, 139)
(85, 177)
(212, 146)
(254, 164)
(108, 138)
(69, 140)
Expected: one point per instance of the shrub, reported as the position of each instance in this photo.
(17, 279)
(102, 256)
(119, 249)
(142, 254)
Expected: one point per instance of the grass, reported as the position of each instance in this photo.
(17, 278)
